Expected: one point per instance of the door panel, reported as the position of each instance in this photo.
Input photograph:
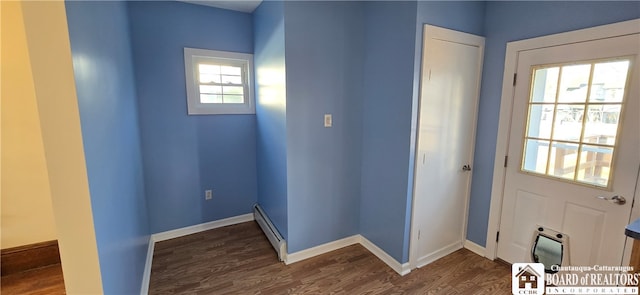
(567, 200)
(448, 104)
(585, 227)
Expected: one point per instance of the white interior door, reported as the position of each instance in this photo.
(573, 147)
(451, 71)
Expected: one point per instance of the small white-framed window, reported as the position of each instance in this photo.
(218, 82)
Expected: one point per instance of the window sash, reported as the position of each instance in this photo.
(226, 98)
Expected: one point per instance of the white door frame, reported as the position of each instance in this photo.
(434, 32)
(506, 107)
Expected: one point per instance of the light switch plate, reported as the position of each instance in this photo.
(328, 121)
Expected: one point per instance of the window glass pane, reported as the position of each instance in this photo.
(609, 79)
(209, 78)
(233, 99)
(210, 89)
(602, 124)
(232, 90)
(595, 165)
(574, 83)
(540, 118)
(568, 122)
(581, 133)
(226, 79)
(562, 162)
(210, 98)
(208, 69)
(230, 70)
(536, 153)
(545, 85)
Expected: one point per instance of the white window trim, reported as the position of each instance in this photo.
(194, 106)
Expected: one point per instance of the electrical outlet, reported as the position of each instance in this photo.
(208, 194)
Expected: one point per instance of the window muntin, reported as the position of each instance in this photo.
(218, 82)
(573, 120)
(221, 83)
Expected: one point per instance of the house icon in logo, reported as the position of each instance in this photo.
(527, 278)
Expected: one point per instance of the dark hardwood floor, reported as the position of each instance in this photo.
(238, 259)
(43, 280)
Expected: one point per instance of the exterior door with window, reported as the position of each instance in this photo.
(574, 151)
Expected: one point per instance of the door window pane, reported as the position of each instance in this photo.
(540, 118)
(602, 124)
(568, 122)
(574, 82)
(535, 159)
(609, 79)
(569, 136)
(563, 159)
(595, 164)
(545, 85)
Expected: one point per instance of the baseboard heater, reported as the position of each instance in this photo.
(276, 240)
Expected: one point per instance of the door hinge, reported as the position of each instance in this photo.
(497, 236)
(515, 77)
(429, 74)
(506, 159)
(633, 202)
(418, 235)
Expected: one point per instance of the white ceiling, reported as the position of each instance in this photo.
(247, 6)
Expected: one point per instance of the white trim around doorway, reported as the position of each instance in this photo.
(511, 57)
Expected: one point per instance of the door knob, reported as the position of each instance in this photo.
(620, 200)
(466, 167)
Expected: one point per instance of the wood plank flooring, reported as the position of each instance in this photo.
(27, 257)
(39, 281)
(238, 259)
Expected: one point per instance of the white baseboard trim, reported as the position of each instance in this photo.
(146, 275)
(442, 252)
(475, 248)
(321, 249)
(176, 233)
(401, 269)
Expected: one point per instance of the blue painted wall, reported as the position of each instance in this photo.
(509, 21)
(324, 57)
(464, 16)
(356, 60)
(392, 74)
(388, 91)
(99, 34)
(184, 155)
(268, 21)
